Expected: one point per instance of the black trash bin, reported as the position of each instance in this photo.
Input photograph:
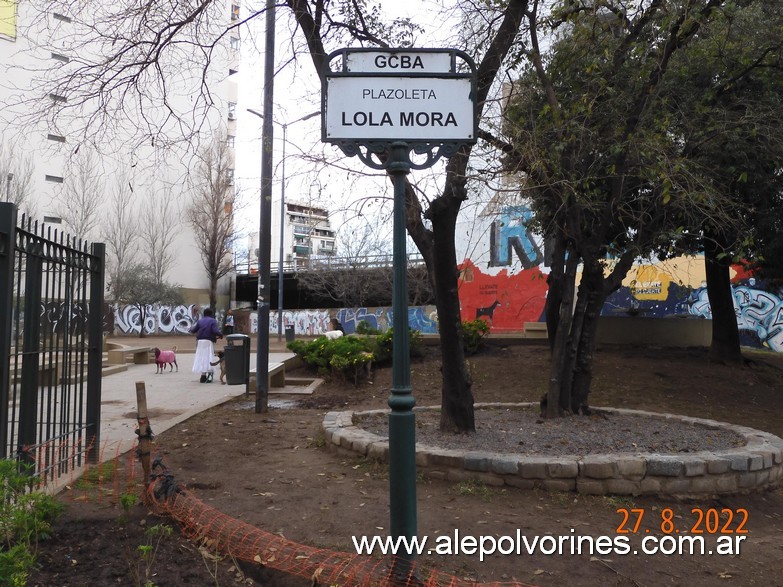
(290, 334)
(237, 358)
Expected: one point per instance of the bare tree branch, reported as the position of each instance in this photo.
(211, 211)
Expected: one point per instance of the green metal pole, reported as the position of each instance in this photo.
(402, 428)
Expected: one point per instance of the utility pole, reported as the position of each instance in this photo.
(265, 217)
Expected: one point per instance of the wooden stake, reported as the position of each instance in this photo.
(144, 432)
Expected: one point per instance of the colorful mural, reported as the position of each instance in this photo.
(315, 322)
(509, 232)
(505, 300)
(663, 291)
(759, 314)
(503, 281)
(510, 288)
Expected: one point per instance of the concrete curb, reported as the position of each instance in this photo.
(757, 465)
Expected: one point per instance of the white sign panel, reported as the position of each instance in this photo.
(396, 62)
(392, 108)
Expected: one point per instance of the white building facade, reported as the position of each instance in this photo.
(149, 144)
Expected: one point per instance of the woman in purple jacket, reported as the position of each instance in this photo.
(207, 332)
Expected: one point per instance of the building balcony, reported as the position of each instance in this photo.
(301, 249)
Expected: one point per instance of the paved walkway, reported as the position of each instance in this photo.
(171, 397)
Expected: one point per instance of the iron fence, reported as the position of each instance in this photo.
(51, 344)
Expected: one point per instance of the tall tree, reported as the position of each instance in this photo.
(432, 226)
(137, 286)
(16, 177)
(211, 211)
(120, 230)
(723, 99)
(612, 182)
(82, 193)
(158, 229)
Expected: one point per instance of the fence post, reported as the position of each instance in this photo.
(95, 352)
(7, 245)
(31, 340)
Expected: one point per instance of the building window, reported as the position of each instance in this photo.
(234, 43)
(231, 141)
(232, 110)
(56, 138)
(54, 178)
(58, 57)
(58, 98)
(52, 219)
(230, 175)
(234, 11)
(61, 17)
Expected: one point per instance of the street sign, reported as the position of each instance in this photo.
(416, 96)
(399, 108)
(381, 105)
(398, 61)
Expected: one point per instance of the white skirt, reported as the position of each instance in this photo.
(205, 354)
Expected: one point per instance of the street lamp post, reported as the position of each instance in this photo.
(281, 252)
(8, 179)
(265, 220)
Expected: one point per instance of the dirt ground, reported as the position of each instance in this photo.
(273, 471)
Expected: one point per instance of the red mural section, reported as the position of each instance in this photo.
(504, 300)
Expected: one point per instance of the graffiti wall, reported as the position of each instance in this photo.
(505, 300)
(503, 281)
(315, 322)
(158, 319)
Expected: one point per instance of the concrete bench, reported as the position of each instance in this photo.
(536, 329)
(48, 374)
(119, 356)
(276, 376)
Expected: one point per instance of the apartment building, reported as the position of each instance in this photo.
(149, 144)
(307, 235)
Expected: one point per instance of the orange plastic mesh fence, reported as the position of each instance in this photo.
(114, 473)
(248, 543)
(119, 473)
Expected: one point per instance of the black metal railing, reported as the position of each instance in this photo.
(51, 344)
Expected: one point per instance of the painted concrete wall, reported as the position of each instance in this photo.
(503, 280)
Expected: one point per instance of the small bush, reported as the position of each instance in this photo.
(346, 355)
(384, 345)
(364, 327)
(472, 334)
(25, 518)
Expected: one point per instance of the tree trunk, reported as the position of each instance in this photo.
(213, 293)
(456, 395)
(142, 319)
(725, 345)
(560, 361)
(556, 282)
(592, 290)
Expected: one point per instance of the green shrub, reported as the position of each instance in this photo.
(346, 355)
(25, 518)
(472, 334)
(384, 345)
(364, 327)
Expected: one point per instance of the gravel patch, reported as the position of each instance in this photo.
(522, 431)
